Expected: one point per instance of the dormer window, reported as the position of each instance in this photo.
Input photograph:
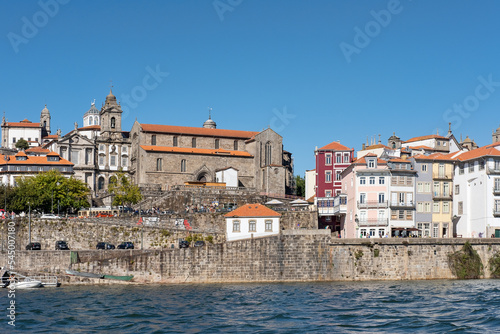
(371, 163)
(52, 158)
(21, 158)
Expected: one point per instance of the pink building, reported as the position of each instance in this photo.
(331, 160)
(365, 184)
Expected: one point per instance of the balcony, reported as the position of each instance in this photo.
(496, 191)
(373, 205)
(332, 206)
(494, 170)
(373, 222)
(496, 212)
(403, 205)
(442, 196)
(442, 176)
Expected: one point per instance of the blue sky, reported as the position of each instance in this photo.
(315, 71)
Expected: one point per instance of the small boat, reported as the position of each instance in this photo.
(83, 274)
(14, 280)
(121, 278)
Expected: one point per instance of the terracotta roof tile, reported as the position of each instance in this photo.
(372, 147)
(420, 147)
(424, 138)
(34, 160)
(253, 210)
(37, 149)
(90, 127)
(167, 149)
(187, 130)
(23, 124)
(488, 150)
(336, 146)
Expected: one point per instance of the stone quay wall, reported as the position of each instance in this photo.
(294, 255)
(159, 232)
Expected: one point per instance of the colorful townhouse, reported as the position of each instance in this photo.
(422, 164)
(476, 199)
(365, 185)
(331, 161)
(402, 197)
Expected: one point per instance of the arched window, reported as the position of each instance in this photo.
(183, 165)
(113, 180)
(100, 183)
(113, 122)
(267, 160)
(158, 164)
(217, 143)
(393, 145)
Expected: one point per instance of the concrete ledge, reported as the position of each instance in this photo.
(414, 241)
(308, 232)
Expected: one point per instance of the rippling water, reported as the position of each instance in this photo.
(352, 307)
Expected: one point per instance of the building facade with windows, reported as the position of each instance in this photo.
(331, 161)
(422, 164)
(402, 197)
(251, 221)
(166, 155)
(19, 165)
(365, 184)
(476, 199)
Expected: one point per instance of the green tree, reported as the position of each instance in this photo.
(22, 144)
(49, 191)
(300, 184)
(123, 190)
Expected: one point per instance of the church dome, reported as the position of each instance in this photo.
(210, 124)
(45, 110)
(110, 99)
(92, 111)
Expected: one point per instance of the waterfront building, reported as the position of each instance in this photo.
(252, 221)
(402, 197)
(163, 156)
(365, 187)
(422, 164)
(476, 199)
(19, 165)
(331, 161)
(34, 133)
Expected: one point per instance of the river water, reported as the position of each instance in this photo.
(444, 306)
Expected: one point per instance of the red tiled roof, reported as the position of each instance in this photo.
(336, 146)
(166, 149)
(37, 149)
(50, 137)
(362, 161)
(188, 130)
(23, 124)
(436, 156)
(400, 160)
(20, 154)
(488, 150)
(424, 138)
(90, 127)
(372, 147)
(52, 154)
(253, 210)
(420, 147)
(34, 160)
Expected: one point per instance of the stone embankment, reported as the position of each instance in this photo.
(294, 255)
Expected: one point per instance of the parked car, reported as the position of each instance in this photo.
(50, 216)
(34, 246)
(199, 243)
(61, 245)
(183, 244)
(126, 245)
(104, 245)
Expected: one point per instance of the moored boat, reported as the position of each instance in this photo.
(83, 274)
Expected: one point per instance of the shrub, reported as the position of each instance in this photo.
(494, 263)
(466, 263)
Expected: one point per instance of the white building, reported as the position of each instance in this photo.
(228, 175)
(310, 181)
(476, 194)
(251, 220)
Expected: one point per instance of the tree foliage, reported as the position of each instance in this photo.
(22, 144)
(301, 186)
(47, 191)
(123, 190)
(466, 263)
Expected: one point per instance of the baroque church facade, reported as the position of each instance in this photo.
(159, 156)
